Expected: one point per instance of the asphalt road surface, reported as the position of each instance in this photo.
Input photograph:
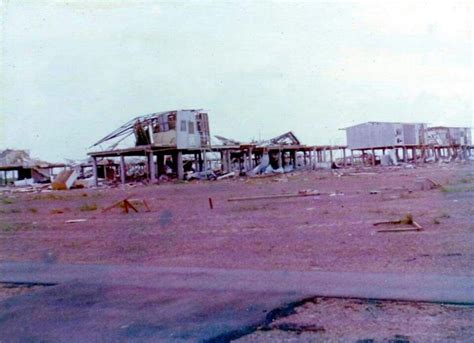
(113, 303)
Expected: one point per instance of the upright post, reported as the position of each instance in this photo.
(152, 166)
(229, 160)
(179, 165)
(94, 171)
(249, 158)
(122, 169)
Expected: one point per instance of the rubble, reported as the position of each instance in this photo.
(65, 180)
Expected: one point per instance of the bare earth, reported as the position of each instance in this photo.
(330, 232)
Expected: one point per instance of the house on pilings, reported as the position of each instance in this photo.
(414, 142)
(162, 139)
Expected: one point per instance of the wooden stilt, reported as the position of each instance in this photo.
(123, 170)
(179, 165)
(94, 171)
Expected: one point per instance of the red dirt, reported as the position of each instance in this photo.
(370, 321)
(327, 232)
(324, 232)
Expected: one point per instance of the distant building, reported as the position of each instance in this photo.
(384, 134)
(18, 165)
(448, 136)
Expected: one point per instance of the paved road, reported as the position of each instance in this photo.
(122, 303)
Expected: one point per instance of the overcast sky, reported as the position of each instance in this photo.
(73, 71)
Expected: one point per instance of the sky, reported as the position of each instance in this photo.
(73, 71)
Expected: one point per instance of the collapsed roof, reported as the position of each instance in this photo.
(139, 127)
(129, 128)
(11, 158)
(227, 141)
(287, 138)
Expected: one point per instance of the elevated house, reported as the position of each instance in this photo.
(417, 141)
(162, 137)
(181, 129)
(379, 135)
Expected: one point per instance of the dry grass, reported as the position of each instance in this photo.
(88, 207)
(407, 219)
(7, 201)
(57, 211)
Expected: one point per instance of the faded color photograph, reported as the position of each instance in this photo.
(236, 171)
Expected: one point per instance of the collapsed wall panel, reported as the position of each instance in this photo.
(64, 180)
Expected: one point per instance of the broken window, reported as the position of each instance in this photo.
(183, 125)
(190, 127)
(171, 121)
(156, 126)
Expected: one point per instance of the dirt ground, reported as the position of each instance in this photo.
(354, 320)
(333, 231)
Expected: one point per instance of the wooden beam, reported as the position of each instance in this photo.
(276, 196)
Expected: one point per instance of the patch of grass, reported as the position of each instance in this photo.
(5, 227)
(248, 208)
(49, 196)
(88, 207)
(378, 211)
(407, 219)
(446, 189)
(56, 211)
(13, 227)
(7, 201)
(444, 215)
(406, 196)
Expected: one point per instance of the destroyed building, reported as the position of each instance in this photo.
(448, 136)
(178, 144)
(181, 129)
(161, 138)
(17, 166)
